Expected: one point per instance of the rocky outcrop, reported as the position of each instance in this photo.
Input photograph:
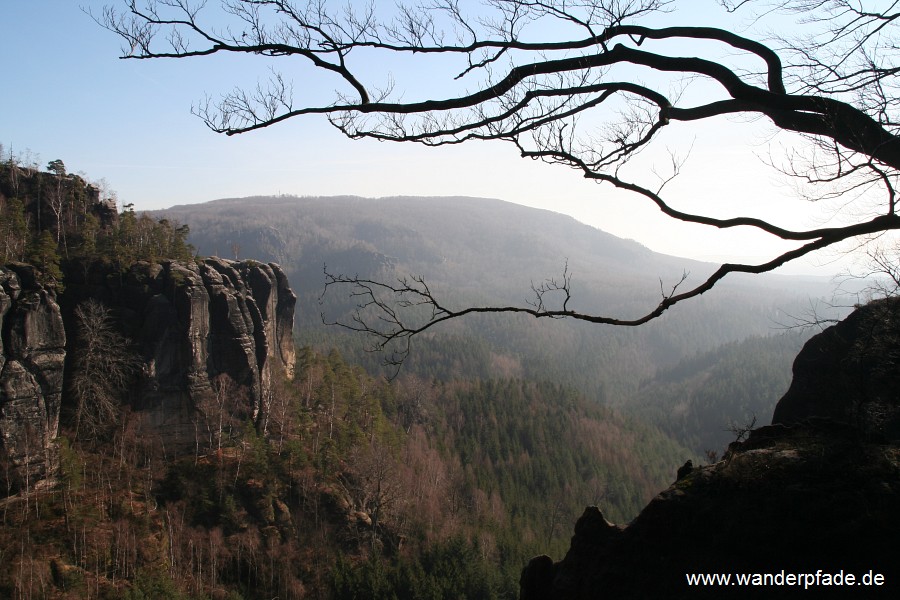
(192, 323)
(32, 356)
(815, 493)
(850, 373)
(800, 499)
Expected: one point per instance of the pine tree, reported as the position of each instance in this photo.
(44, 254)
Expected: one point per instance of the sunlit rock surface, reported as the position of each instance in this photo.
(32, 357)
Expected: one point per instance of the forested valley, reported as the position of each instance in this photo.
(448, 487)
(440, 482)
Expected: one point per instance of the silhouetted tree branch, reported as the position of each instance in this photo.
(589, 99)
(393, 313)
(879, 272)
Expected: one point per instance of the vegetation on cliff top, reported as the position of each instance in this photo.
(57, 220)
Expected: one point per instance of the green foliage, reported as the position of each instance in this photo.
(150, 585)
(254, 452)
(70, 465)
(57, 167)
(144, 238)
(53, 220)
(44, 254)
(496, 457)
(537, 445)
(697, 400)
(447, 570)
(357, 488)
(90, 231)
(13, 229)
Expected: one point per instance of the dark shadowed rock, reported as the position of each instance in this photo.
(593, 536)
(816, 492)
(798, 499)
(193, 322)
(537, 578)
(850, 373)
(684, 470)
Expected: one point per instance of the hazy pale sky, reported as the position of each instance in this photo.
(67, 95)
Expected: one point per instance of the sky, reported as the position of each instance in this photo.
(68, 96)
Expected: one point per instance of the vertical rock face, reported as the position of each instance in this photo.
(32, 356)
(190, 322)
(193, 322)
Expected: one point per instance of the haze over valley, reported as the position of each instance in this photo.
(478, 251)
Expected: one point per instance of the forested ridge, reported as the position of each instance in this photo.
(476, 250)
(702, 399)
(57, 220)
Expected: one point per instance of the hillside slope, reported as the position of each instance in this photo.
(703, 398)
(483, 251)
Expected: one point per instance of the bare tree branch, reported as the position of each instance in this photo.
(578, 99)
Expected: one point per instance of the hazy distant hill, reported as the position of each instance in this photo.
(476, 250)
(487, 247)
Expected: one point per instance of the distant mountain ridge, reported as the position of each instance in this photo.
(490, 252)
(408, 222)
(470, 242)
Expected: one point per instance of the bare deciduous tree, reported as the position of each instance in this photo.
(374, 483)
(585, 85)
(222, 411)
(877, 275)
(104, 366)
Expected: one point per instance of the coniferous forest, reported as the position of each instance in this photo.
(439, 483)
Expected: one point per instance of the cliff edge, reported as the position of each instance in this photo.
(850, 373)
(192, 322)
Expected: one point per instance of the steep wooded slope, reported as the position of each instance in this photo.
(357, 488)
(703, 398)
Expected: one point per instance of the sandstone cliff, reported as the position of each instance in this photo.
(817, 491)
(32, 354)
(190, 323)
